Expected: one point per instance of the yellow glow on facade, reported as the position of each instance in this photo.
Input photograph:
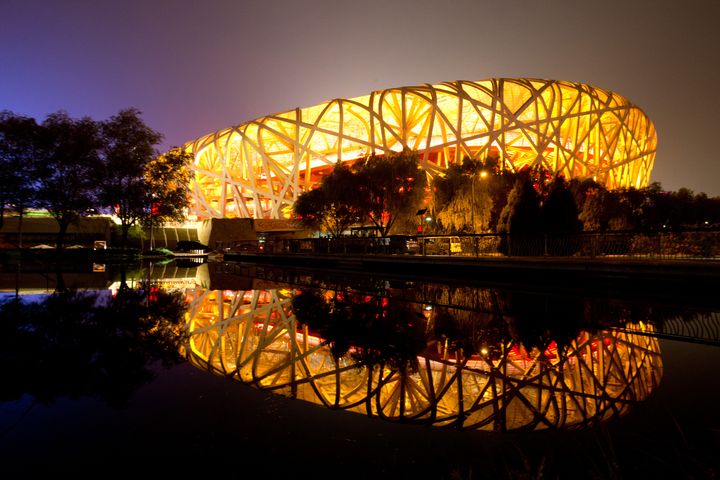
(252, 336)
(257, 169)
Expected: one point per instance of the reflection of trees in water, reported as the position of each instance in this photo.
(600, 309)
(88, 343)
(381, 331)
(536, 318)
(384, 330)
(532, 320)
(613, 311)
(493, 382)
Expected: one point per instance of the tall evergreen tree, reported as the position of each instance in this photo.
(521, 219)
(522, 213)
(559, 211)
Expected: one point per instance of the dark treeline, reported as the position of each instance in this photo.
(76, 167)
(392, 194)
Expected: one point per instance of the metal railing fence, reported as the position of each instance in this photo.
(688, 244)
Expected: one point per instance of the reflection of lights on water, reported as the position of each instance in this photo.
(257, 341)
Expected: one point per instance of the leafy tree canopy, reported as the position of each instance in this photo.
(128, 148)
(392, 188)
(19, 144)
(69, 173)
(334, 205)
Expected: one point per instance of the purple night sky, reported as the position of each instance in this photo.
(193, 67)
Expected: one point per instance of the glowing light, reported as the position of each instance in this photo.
(571, 129)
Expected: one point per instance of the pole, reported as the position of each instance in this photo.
(152, 214)
(472, 202)
(151, 228)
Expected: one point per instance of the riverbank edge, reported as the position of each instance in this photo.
(634, 273)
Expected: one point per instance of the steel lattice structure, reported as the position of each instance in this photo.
(252, 336)
(257, 169)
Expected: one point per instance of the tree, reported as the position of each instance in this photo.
(167, 182)
(521, 218)
(70, 173)
(310, 208)
(708, 210)
(559, 211)
(593, 214)
(392, 188)
(128, 147)
(465, 197)
(522, 213)
(446, 185)
(470, 207)
(19, 145)
(333, 206)
(499, 184)
(560, 220)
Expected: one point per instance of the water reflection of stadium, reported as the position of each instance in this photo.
(489, 382)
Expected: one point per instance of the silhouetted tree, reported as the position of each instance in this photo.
(521, 219)
(310, 209)
(69, 173)
(560, 220)
(594, 214)
(560, 213)
(334, 205)
(128, 147)
(392, 188)
(20, 142)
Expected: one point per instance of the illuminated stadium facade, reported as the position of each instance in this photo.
(258, 169)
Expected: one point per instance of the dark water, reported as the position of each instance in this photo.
(370, 377)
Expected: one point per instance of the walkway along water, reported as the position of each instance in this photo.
(685, 260)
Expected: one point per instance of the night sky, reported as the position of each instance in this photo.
(193, 67)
